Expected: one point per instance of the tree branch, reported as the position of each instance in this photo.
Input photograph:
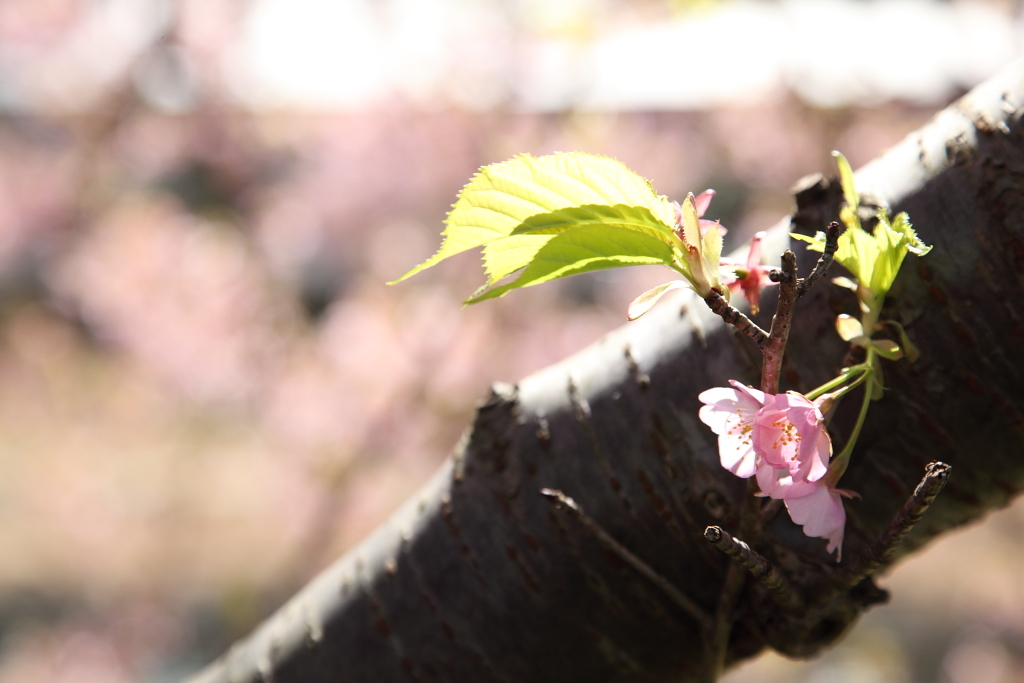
(476, 579)
(759, 567)
(832, 232)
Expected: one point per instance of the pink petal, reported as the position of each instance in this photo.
(751, 286)
(703, 201)
(737, 455)
(767, 478)
(821, 514)
(753, 393)
(730, 414)
(821, 456)
(754, 255)
(785, 487)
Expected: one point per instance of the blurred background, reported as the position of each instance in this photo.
(207, 392)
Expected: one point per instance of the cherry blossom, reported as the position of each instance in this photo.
(782, 440)
(730, 413)
(789, 432)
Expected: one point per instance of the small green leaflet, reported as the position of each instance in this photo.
(873, 258)
(555, 216)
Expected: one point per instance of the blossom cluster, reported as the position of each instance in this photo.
(781, 440)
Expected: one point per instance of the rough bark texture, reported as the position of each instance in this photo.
(480, 578)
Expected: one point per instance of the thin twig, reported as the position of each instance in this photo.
(936, 474)
(719, 306)
(689, 606)
(824, 261)
(759, 567)
(781, 324)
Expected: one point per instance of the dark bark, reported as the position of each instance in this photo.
(480, 578)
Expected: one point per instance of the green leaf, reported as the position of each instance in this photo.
(857, 253)
(887, 349)
(911, 351)
(646, 301)
(873, 259)
(816, 243)
(848, 327)
(538, 197)
(915, 246)
(703, 246)
(507, 255)
(846, 180)
(583, 249)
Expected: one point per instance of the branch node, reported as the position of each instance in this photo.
(759, 566)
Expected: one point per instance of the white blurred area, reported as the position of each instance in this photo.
(528, 55)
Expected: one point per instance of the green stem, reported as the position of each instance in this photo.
(840, 462)
(850, 372)
(863, 373)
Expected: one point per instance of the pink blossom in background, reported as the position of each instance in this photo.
(730, 413)
(750, 277)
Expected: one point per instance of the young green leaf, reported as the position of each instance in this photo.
(873, 258)
(887, 349)
(911, 351)
(507, 255)
(849, 328)
(585, 248)
(538, 197)
(846, 180)
(646, 301)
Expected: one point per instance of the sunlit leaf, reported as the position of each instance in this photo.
(646, 301)
(848, 327)
(816, 243)
(582, 249)
(507, 255)
(532, 194)
(911, 351)
(901, 224)
(874, 258)
(887, 349)
(846, 180)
